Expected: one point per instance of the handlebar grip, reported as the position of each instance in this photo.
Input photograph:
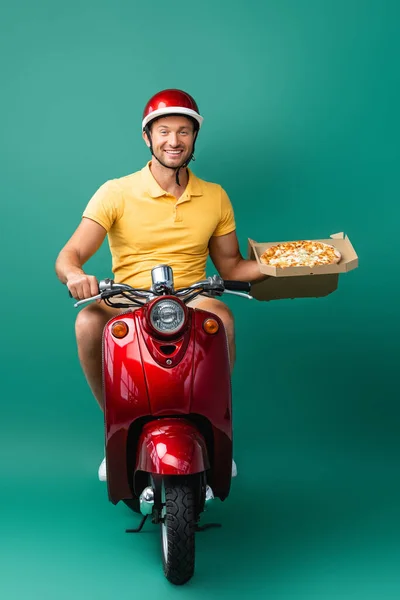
(237, 286)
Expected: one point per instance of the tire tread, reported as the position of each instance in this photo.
(180, 521)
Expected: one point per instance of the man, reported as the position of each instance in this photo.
(161, 214)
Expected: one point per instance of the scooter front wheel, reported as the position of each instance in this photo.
(178, 525)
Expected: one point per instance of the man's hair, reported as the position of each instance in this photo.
(194, 122)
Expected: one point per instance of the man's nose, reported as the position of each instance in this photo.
(173, 139)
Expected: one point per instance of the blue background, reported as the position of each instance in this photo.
(300, 101)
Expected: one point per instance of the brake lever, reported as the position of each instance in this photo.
(85, 300)
(242, 294)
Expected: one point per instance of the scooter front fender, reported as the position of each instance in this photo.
(171, 447)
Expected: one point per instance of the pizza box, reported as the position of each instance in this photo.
(301, 282)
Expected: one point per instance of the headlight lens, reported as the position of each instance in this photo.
(167, 316)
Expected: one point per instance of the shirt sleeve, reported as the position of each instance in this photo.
(105, 206)
(227, 220)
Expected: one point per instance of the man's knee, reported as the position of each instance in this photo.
(229, 323)
(225, 314)
(90, 322)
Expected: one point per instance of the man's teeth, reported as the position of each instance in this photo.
(173, 151)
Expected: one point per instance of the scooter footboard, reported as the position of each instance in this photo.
(172, 447)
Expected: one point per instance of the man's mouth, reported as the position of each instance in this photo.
(173, 152)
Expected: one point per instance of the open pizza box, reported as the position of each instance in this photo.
(302, 282)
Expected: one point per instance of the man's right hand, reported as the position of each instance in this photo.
(82, 286)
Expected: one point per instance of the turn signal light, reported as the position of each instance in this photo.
(119, 329)
(210, 326)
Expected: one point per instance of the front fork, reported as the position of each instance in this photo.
(152, 500)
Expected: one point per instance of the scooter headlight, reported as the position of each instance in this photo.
(167, 316)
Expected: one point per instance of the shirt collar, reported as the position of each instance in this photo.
(154, 190)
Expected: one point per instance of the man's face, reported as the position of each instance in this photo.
(173, 139)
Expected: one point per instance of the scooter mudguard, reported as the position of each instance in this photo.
(171, 447)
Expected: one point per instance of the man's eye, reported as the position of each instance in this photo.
(184, 133)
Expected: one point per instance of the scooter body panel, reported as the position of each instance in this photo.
(140, 386)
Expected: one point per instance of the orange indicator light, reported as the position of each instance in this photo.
(210, 326)
(119, 329)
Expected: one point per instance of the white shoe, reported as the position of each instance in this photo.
(209, 493)
(103, 470)
(234, 469)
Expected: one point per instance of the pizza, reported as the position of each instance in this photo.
(303, 253)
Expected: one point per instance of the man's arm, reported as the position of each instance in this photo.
(230, 264)
(84, 242)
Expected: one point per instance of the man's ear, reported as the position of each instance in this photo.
(146, 139)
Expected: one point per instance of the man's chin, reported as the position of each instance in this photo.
(171, 163)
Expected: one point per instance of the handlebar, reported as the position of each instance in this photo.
(212, 286)
(237, 286)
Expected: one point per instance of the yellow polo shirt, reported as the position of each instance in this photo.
(146, 226)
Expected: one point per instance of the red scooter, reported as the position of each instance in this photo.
(168, 410)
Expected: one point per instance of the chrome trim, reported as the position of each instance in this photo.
(147, 501)
(162, 275)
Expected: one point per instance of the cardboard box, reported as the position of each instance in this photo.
(302, 282)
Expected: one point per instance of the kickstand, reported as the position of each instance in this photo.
(143, 521)
(207, 526)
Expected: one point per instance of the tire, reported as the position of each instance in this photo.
(178, 529)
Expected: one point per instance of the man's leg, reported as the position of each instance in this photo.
(89, 326)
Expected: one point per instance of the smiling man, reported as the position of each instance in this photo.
(162, 214)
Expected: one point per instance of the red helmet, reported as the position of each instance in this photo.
(169, 102)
